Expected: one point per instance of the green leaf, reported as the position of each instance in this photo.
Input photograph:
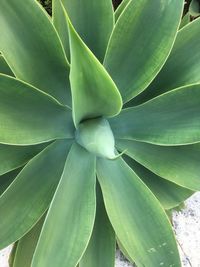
(170, 119)
(101, 249)
(178, 164)
(12, 157)
(26, 246)
(138, 48)
(69, 214)
(194, 8)
(185, 20)
(4, 68)
(32, 48)
(121, 8)
(12, 255)
(93, 20)
(136, 215)
(29, 196)
(182, 66)
(33, 118)
(7, 179)
(169, 194)
(94, 94)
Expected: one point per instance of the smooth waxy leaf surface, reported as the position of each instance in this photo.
(7, 179)
(69, 214)
(146, 236)
(32, 48)
(170, 119)
(94, 94)
(121, 8)
(194, 8)
(101, 249)
(12, 157)
(178, 164)
(4, 68)
(185, 20)
(33, 118)
(93, 20)
(182, 66)
(29, 196)
(26, 246)
(138, 48)
(169, 194)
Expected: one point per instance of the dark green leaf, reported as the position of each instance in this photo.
(71, 215)
(121, 8)
(7, 179)
(4, 68)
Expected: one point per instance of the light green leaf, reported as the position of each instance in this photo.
(69, 214)
(94, 94)
(182, 66)
(32, 48)
(29, 196)
(101, 249)
(7, 179)
(138, 48)
(4, 68)
(12, 157)
(185, 20)
(33, 118)
(121, 8)
(194, 8)
(170, 119)
(93, 21)
(136, 215)
(26, 246)
(169, 194)
(178, 164)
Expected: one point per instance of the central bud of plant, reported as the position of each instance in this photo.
(96, 136)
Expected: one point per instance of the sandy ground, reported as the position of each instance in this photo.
(187, 229)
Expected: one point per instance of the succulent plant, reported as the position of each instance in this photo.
(99, 130)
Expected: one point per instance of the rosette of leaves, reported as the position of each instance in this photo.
(76, 91)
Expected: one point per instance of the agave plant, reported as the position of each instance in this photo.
(99, 130)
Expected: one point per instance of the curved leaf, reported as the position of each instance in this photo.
(169, 194)
(194, 8)
(32, 48)
(7, 179)
(182, 66)
(170, 119)
(12, 157)
(138, 48)
(69, 213)
(93, 21)
(121, 8)
(33, 118)
(185, 20)
(136, 215)
(29, 196)
(178, 164)
(4, 68)
(26, 246)
(101, 249)
(94, 94)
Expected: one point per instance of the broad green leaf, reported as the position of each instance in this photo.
(138, 48)
(29, 116)
(178, 164)
(26, 246)
(7, 179)
(194, 8)
(70, 218)
(182, 66)
(12, 157)
(93, 20)
(101, 249)
(136, 215)
(185, 20)
(4, 68)
(12, 255)
(169, 194)
(94, 94)
(121, 8)
(32, 48)
(170, 119)
(29, 196)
